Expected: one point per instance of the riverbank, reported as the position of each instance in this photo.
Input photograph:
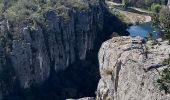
(135, 18)
(132, 15)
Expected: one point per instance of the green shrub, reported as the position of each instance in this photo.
(1, 8)
(164, 19)
(20, 10)
(108, 72)
(166, 61)
(80, 4)
(155, 21)
(164, 80)
(155, 7)
(161, 22)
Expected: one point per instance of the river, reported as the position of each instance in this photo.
(142, 30)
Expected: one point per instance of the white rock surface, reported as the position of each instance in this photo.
(86, 98)
(128, 72)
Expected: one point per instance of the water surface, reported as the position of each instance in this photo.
(142, 30)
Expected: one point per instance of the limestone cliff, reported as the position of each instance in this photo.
(129, 69)
(30, 53)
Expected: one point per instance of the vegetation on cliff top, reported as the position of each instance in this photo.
(161, 21)
(142, 3)
(18, 10)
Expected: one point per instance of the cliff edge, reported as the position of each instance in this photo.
(129, 69)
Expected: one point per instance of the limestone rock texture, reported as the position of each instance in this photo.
(128, 72)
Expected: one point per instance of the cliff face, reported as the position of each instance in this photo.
(59, 45)
(128, 73)
(29, 56)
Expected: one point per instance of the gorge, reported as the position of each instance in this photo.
(56, 57)
(61, 49)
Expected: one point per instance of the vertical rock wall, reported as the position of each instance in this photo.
(32, 52)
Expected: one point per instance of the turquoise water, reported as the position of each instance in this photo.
(142, 30)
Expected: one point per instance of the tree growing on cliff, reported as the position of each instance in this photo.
(161, 22)
(124, 3)
(164, 19)
(155, 7)
(164, 80)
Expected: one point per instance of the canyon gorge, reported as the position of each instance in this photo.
(71, 49)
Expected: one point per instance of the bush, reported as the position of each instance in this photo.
(155, 8)
(164, 80)
(108, 72)
(166, 62)
(161, 22)
(20, 10)
(164, 19)
(80, 4)
(155, 21)
(1, 8)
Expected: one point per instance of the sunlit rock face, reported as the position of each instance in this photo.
(128, 72)
(168, 4)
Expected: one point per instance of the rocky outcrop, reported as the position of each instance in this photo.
(129, 69)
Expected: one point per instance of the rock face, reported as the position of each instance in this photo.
(168, 2)
(58, 46)
(128, 72)
(32, 52)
